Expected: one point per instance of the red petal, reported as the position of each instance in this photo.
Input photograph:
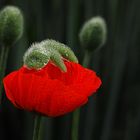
(60, 99)
(76, 76)
(9, 82)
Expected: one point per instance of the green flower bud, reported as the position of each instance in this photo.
(93, 33)
(11, 25)
(39, 54)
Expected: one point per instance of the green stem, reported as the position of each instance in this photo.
(1, 55)
(87, 58)
(76, 114)
(75, 124)
(36, 133)
(3, 62)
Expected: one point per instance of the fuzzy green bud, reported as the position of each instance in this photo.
(93, 33)
(11, 25)
(39, 54)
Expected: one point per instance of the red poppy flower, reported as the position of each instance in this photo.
(50, 91)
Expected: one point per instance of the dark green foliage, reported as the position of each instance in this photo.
(11, 25)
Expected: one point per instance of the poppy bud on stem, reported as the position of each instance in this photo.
(11, 28)
(92, 36)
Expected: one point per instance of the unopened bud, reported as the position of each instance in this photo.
(93, 33)
(11, 25)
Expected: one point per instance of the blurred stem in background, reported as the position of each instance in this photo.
(3, 62)
(114, 95)
(73, 22)
(119, 63)
(87, 58)
(37, 127)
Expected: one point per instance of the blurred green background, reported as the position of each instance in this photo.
(114, 112)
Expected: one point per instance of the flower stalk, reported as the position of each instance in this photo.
(75, 124)
(87, 58)
(3, 62)
(37, 126)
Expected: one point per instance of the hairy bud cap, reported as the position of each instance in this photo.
(93, 33)
(39, 54)
(11, 25)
